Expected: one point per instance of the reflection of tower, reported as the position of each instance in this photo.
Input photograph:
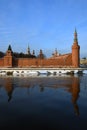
(41, 87)
(9, 88)
(75, 51)
(75, 93)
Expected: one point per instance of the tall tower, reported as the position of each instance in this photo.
(75, 51)
(28, 51)
(8, 57)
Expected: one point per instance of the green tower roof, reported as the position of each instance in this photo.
(9, 48)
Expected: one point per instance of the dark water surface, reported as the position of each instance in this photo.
(57, 103)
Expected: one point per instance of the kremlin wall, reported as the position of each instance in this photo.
(57, 60)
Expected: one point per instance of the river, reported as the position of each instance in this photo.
(43, 102)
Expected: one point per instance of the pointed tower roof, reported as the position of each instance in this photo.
(56, 52)
(9, 48)
(9, 51)
(75, 37)
(33, 52)
(28, 50)
(75, 30)
(28, 47)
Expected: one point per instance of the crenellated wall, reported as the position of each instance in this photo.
(36, 62)
(44, 62)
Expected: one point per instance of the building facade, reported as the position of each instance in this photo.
(57, 60)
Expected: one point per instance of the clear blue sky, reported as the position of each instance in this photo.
(43, 24)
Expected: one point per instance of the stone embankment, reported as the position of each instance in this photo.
(38, 71)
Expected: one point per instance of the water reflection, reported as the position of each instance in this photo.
(9, 88)
(74, 90)
(70, 84)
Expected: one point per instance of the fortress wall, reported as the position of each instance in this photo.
(68, 60)
(27, 62)
(62, 61)
(15, 62)
(1, 62)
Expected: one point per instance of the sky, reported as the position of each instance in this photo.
(43, 24)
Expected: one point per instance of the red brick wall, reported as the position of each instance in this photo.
(8, 61)
(65, 60)
(1, 62)
(60, 61)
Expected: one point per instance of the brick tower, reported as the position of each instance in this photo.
(8, 57)
(75, 52)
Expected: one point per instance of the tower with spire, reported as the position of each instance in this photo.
(8, 58)
(75, 51)
(28, 50)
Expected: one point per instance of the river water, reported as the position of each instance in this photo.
(44, 102)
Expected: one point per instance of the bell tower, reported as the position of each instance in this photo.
(75, 51)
